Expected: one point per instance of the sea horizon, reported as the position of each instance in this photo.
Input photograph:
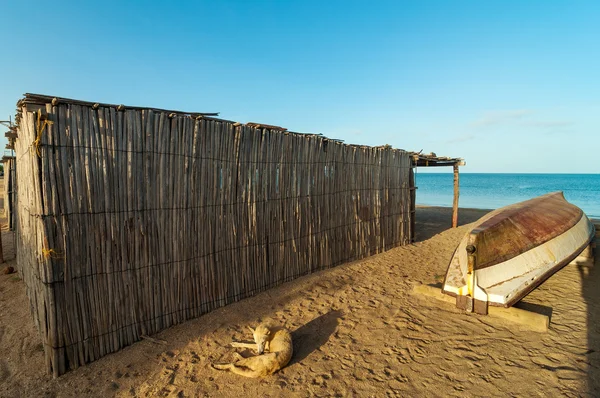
(494, 190)
(486, 172)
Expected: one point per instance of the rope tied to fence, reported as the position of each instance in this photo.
(51, 253)
(42, 122)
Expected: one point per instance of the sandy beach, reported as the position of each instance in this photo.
(357, 329)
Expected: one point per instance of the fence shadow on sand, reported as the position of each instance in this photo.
(434, 220)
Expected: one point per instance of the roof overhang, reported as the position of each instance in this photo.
(432, 160)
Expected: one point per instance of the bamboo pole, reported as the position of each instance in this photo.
(455, 201)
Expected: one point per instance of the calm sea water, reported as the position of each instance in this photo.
(490, 191)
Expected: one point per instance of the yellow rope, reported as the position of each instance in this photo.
(51, 253)
(40, 129)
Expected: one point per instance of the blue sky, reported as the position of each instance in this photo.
(511, 86)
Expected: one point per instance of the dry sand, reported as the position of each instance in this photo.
(358, 331)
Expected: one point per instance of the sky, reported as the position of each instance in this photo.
(510, 86)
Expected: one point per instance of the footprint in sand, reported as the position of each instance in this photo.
(416, 353)
(496, 375)
(414, 327)
(4, 372)
(403, 357)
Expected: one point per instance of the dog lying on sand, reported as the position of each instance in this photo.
(274, 339)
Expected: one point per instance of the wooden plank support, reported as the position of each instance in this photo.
(531, 320)
(455, 201)
(586, 257)
(596, 223)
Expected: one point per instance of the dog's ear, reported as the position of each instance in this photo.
(251, 330)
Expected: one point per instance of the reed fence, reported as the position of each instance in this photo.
(131, 220)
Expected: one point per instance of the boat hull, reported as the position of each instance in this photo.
(512, 250)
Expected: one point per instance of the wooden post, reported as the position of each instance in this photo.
(455, 202)
(413, 200)
(1, 250)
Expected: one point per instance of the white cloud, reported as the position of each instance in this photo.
(461, 138)
(523, 118)
(495, 118)
(550, 124)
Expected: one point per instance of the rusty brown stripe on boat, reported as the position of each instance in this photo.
(520, 227)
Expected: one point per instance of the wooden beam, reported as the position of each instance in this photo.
(531, 320)
(455, 202)
(46, 99)
(265, 126)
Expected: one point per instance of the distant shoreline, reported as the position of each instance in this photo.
(450, 207)
(472, 209)
(476, 172)
(496, 190)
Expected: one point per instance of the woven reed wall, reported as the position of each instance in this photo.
(134, 220)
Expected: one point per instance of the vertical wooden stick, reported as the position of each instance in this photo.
(413, 210)
(455, 203)
(1, 250)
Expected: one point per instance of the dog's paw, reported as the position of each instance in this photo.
(237, 356)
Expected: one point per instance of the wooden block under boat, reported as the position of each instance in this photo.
(530, 320)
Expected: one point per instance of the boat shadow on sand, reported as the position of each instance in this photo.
(537, 308)
(590, 280)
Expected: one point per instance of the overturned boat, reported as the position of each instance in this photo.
(512, 250)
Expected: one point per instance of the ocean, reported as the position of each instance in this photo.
(491, 191)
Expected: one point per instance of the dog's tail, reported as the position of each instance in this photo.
(222, 366)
